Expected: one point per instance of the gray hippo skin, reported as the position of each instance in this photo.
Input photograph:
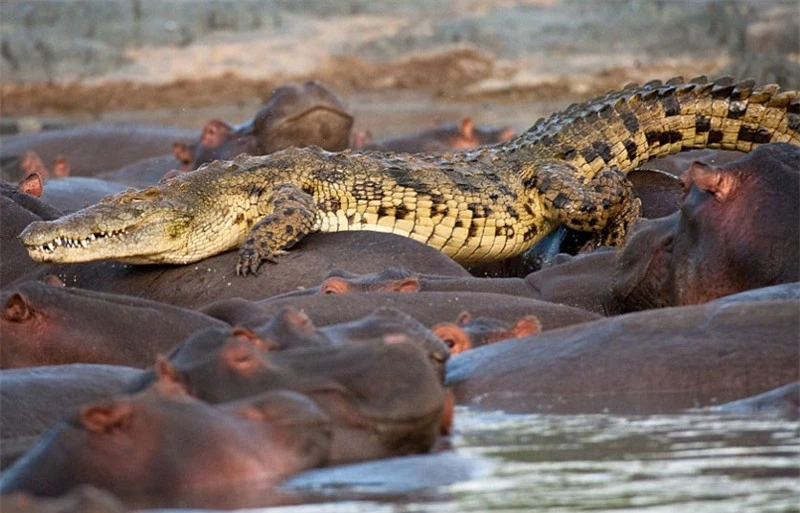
(32, 400)
(655, 361)
(44, 324)
(782, 402)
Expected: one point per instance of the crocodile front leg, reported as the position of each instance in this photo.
(605, 205)
(293, 215)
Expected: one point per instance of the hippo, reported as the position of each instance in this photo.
(29, 202)
(70, 194)
(398, 413)
(311, 112)
(582, 281)
(463, 134)
(176, 448)
(204, 282)
(428, 308)
(14, 259)
(783, 402)
(218, 141)
(43, 324)
(94, 148)
(32, 400)
(736, 230)
(142, 173)
(655, 361)
(295, 115)
(468, 332)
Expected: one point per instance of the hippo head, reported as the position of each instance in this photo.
(468, 332)
(388, 280)
(738, 226)
(165, 444)
(737, 229)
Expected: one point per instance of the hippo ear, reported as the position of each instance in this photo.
(167, 375)
(61, 167)
(249, 336)
(106, 417)
(453, 336)
(507, 134)
(528, 325)
(467, 128)
(298, 318)
(410, 284)
(464, 318)
(17, 308)
(711, 180)
(335, 285)
(32, 184)
(182, 152)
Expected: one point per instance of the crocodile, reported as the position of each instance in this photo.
(476, 206)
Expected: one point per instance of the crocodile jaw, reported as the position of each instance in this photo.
(130, 233)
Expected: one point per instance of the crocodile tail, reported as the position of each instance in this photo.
(628, 127)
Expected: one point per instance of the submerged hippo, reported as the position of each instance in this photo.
(654, 361)
(385, 399)
(42, 324)
(32, 400)
(164, 444)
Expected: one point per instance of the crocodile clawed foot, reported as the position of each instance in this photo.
(250, 259)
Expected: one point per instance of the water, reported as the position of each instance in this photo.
(575, 463)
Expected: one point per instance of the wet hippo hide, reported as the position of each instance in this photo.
(656, 361)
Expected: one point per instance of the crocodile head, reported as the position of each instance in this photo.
(133, 226)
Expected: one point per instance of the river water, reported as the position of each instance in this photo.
(689, 463)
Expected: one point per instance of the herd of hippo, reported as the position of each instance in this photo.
(182, 383)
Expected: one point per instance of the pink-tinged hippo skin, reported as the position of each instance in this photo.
(428, 308)
(782, 402)
(460, 135)
(42, 324)
(165, 446)
(94, 148)
(736, 230)
(32, 400)
(385, 399)
(209, 280)
(646, 362)
(470, 332)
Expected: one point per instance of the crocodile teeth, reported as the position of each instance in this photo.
(85, 243)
